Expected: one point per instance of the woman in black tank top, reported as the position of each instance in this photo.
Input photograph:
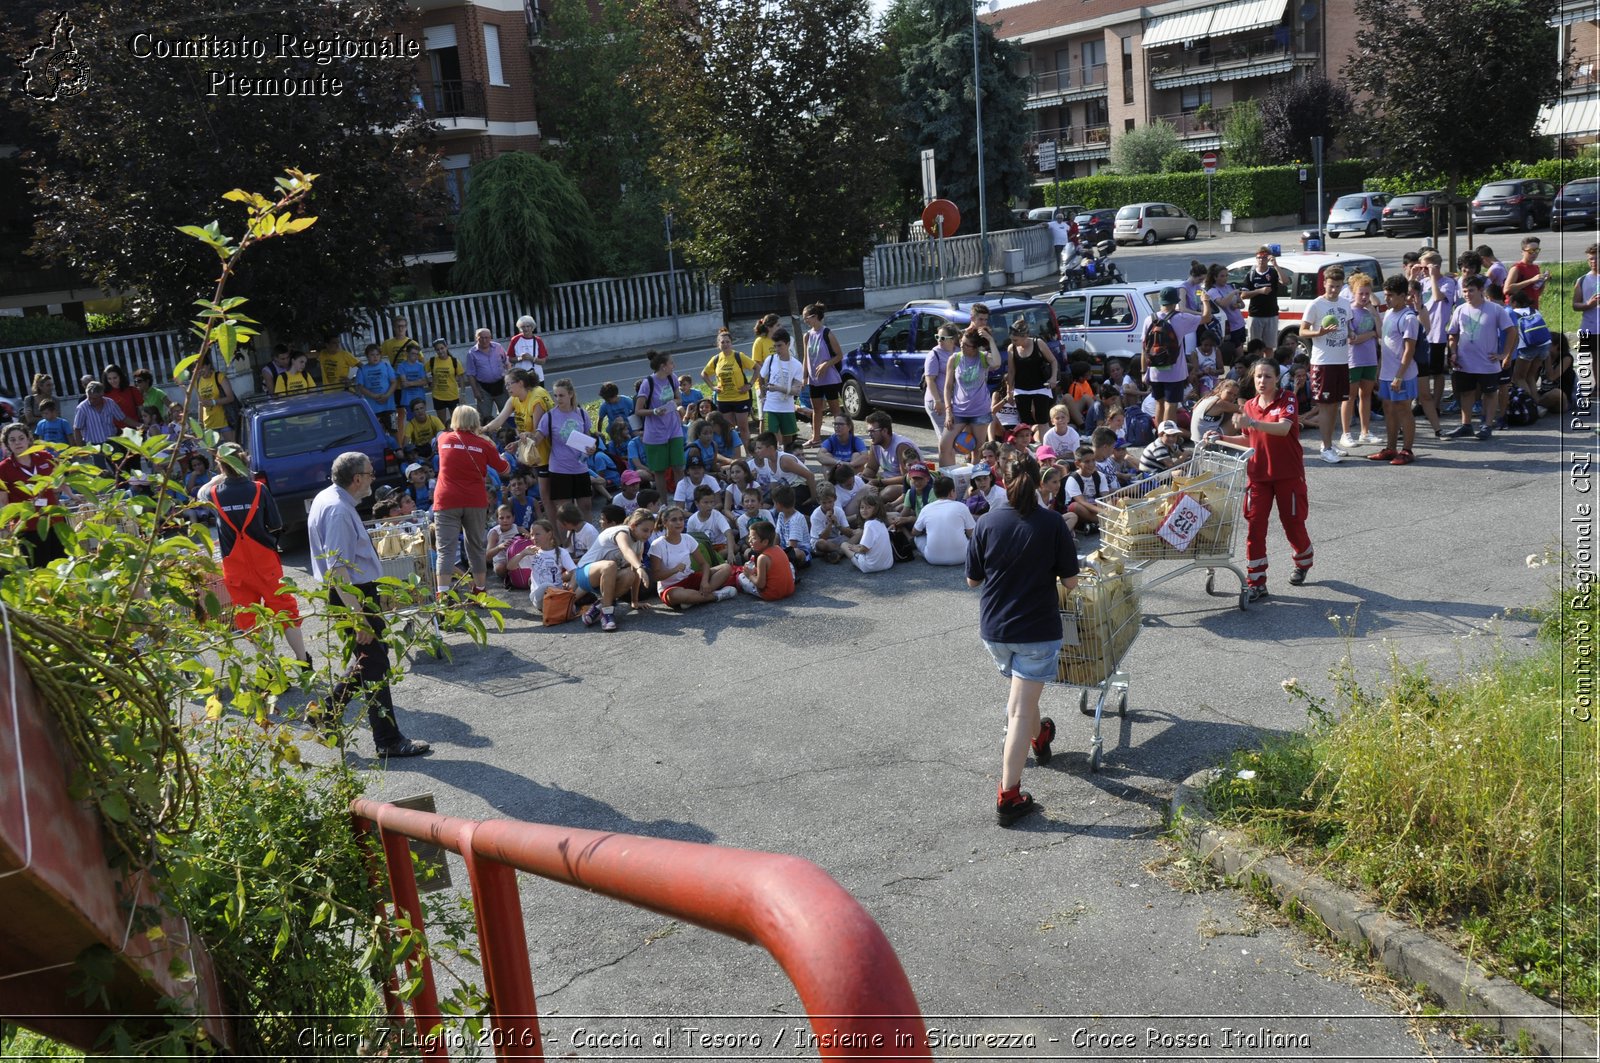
(1030, 377)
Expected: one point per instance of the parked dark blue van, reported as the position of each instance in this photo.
(292, 443)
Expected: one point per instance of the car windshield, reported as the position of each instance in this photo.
(1038, 318)
(1416, 200)
(1127, 213)
(1586, 186)
(307, 433)
(1500, 191)
(1350, 202)
(1084, 218)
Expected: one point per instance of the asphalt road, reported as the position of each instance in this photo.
(859, 725)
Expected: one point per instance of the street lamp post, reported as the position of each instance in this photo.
(977, 101)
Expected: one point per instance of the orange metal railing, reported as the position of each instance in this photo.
(849, 979)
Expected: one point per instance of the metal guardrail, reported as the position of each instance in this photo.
(856, 995)
(916, 262)
(70, 360)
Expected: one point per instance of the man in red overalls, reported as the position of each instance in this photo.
(247, 528)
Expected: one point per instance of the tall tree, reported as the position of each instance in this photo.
(153, 143)
(939, 112)
(1144, 149)
(597, 126)
(525, 227)
(1415, 112)
(902, 28)
(1293, 112)
(1244, 135)
(768, 131)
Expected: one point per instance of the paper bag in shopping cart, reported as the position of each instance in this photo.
(1183, 522)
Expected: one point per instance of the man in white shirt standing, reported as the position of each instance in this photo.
(944, 526)
(1327, 325)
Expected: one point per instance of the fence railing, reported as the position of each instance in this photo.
(917, 262)
(568, 307)
(69, 361)
(1057, 82)
(848, 977)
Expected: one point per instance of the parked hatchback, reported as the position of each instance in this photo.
(1149, 223)
(1575, 205)
(1360, 213)
(1096, 225)
(292, 443)
(1524, 205)
(886, 370)
(1108, 321)
(1410, 214)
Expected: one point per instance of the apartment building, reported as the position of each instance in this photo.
(1096, 72)
(1574, 119)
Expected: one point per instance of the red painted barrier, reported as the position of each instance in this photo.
(849, 979)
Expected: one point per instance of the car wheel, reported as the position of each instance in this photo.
(1391, 234)
(1289, 337)
(1372, 228)
(1150, 238)
(1192, 233)
(1555, 226)
(1529, 222)
(854, 399)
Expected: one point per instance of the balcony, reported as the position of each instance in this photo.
(1050, 88)
(1222, 59)
(1190, 124)
(454, 108)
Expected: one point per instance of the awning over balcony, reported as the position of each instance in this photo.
(1176, 29)
(1571, 118)
(1245, 15)
(1256, 69)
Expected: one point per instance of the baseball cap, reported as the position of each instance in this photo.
(981, 469)
(694, 461)
(413, 467)
(917, 468)
(1044, 453)
(1169, 426)
(630, 477)
(1169, 296)
(383, 494)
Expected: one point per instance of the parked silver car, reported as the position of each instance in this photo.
(1360, 213)
(1148, 223)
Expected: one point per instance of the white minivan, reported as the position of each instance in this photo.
(1305, 282)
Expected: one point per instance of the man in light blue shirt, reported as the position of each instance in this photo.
(342, 556)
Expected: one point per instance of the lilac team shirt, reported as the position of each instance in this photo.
(822, 372)
(1439, 316)
(971, 397)
(1479, 328)
(1398, 326)
(933, 369)
(1185, 325)
(1363, 319)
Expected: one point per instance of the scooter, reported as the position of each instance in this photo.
(1072, 262)
(1098, 267)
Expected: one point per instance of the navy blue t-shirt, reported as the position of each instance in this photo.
(1018, 559)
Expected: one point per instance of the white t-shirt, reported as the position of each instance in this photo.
(876, 554)
(847, 493)
(684, 492)
(1063, 445)
(714, 527)
(547, 566)
(604, 547)
(995, 495)
(779, 373)
(583, 539)
(819, 524)
(745, 520)
(941, 531)
(671, 556)
(1334, 347)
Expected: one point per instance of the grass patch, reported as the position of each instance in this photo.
(1468, 805)
(17, 1043)
(1556, 302)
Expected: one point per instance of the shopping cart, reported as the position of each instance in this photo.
(1214, 482)
(407, 548)
(1099, 621)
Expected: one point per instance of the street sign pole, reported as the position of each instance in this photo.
(1208, 163)
(938, 250)
(1322, 214)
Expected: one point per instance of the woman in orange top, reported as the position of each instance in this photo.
(1080, 392)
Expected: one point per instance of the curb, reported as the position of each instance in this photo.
(1411, 955)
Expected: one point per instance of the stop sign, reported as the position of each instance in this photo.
(1209, 161)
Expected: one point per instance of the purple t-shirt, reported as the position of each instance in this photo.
(823, 373)
(1479, 329)
(1398, 326)
(1234, 316)
(1366, 352)
(654, 391)
(971, 397)
(1185, 325)
(556, 426)
(933, 367)
(1439, 316)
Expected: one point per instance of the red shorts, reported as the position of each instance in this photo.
(249, 586)
(689, 582)
(1330, 384)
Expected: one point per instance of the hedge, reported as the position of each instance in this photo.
(1557, 171)
(36, 329)
(1249, 191)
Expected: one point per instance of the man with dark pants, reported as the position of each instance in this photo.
(342, 556)
(247, 532)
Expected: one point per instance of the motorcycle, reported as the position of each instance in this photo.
(1082, 268)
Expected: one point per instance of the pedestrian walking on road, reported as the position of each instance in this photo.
(1017, 553)
(342, 556)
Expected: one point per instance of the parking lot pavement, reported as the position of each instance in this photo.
(859, 725)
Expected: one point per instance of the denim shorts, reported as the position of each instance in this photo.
(1032, 661)
(1530, 354)
(1407, 392)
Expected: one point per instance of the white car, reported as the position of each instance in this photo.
(1305, 282)
(1360, 213)
(1109, 320)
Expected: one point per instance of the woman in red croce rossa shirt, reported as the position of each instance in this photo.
(1277, 473)
(461, 497)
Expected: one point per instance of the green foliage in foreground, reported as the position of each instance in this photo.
(1468, 804)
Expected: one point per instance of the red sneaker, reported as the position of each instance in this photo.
(1041, 744)
(1383, 455)
(1404, 457)
(1008, 812)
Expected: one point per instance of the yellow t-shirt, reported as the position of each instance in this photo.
(336, 365)
(292, 383)
(446, 373)
(391, 347)
(760, 351)
(420, 431)
(210, 389)
(527, 413)
(733, 372)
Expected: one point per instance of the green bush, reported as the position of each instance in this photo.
(1249, 191)
(27, 331)
(1180, 160)
(1558, 171)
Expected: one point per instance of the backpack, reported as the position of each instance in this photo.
(1521, 409)
(1161, 343)
(1137, 427)
(1531, 329)
(977, 505)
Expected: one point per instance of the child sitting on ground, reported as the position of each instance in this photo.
(498, 541)
(708, 523)
(869, 549)
(695, 476)
(829, 525)
(1165, 452)
(689, 398)
(1083, 489)
(750, 512)
(983, 485)
(548, 564)
(1061, 437)
(848, 486)
(577, 534)
(627, 499)
(768, 574)
(793, 530)
(612, 409)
